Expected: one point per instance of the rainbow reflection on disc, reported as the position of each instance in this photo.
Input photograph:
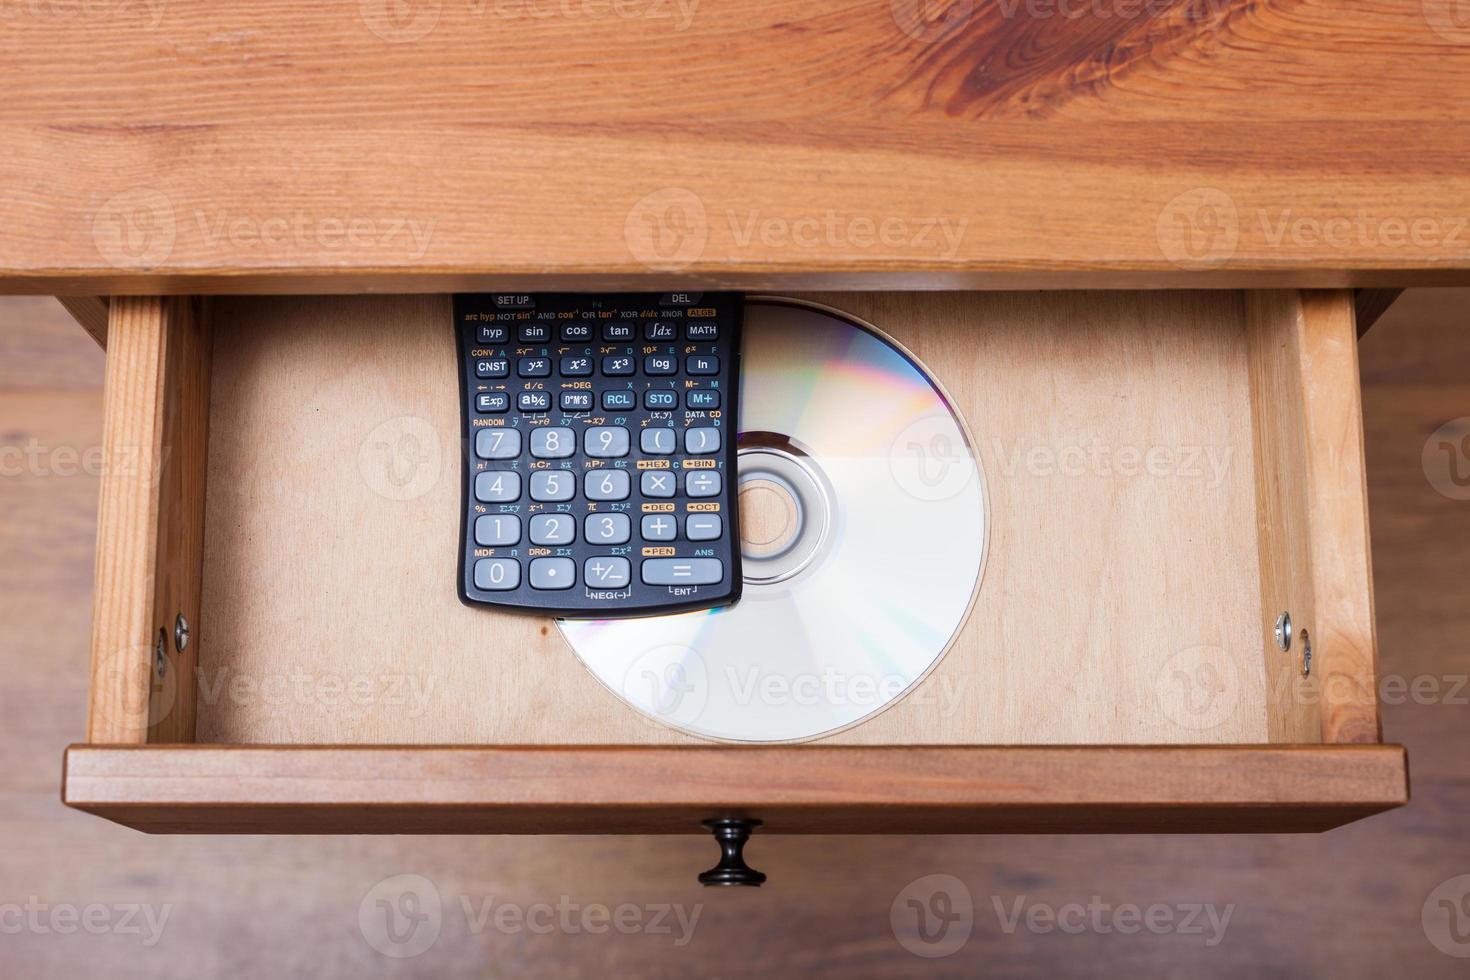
(863, 514)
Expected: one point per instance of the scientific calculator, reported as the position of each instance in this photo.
(599, 435)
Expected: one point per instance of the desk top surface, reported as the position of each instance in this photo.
(506, 144)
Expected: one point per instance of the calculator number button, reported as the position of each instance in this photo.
(606, 573)
(682, 571)
(553, 442)
(553, 573)
(702, 483)
(702, 440)
(553, 485)
(657, 442)
(497, 487)
(607, 485)
(607, 529)
(497, 574)
(497, 530)
(553, 529)
(498, 443)
(605, 441)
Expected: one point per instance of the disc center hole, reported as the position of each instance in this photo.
(769, 518)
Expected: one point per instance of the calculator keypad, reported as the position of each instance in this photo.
(599, 477)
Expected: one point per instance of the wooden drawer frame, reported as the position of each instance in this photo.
(1313, 547)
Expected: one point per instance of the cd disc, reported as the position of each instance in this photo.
(862, 524)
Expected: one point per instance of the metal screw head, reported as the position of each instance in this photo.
(1283, 632)
(160, 662)
(1306, 654)
(181, 633)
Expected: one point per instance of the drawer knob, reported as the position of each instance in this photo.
(731, 833)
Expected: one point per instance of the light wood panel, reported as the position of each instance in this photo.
(812, 790)
(1120, 602)
(150, 520)
(91, 313)
(347, 146)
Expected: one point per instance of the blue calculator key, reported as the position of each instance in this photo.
(492, 367)
(660, 364)
(701, 398)
(660, 398)
(576, 366)
(576, 333)
(700, 364)
(534, 367)
(491, 401)
(492, 333)
(617, 365)
(533, 401)
(535, 333)
(576, 401)
(618, 401)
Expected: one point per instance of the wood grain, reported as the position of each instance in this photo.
(820, 790)
(91, 313)
(1120, 604)
(348, 146)
(242, 905)
(1345, 641)
(150, 520)
(1312, 516)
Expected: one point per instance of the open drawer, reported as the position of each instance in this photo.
(1168, 473)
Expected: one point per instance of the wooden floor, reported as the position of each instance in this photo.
(1344, 904)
